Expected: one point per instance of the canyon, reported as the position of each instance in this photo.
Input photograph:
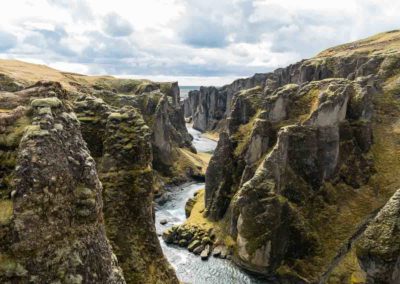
(283, 177)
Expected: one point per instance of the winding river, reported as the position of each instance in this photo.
(189, 267)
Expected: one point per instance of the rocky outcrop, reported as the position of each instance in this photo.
(206, 106)
(209, 105)
(291, 151)
(159, 104)
(219, 179)
(378, 250)
(122, 143)
(197, 240)
(54, 169)
(57, 205)
(127, 177)
(304, 158)
(201, 105)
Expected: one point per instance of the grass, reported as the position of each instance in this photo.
(213, 135)
(198, 161)
(356, 205)
(348, 271)
(384, 42)
(243, 135)
(197, 219)
(14, 133)
(6, 211)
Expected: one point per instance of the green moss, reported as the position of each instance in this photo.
(6, 211)
(117, 116)
(9, 267)
(13, 133)
(243, 135)
(9, 84)
(46, 102)
(285, 271)
(304, 105)
(35, 131)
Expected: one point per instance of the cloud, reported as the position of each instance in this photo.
(7, 41)
(79, 10)
(116, 26)
(48, 40)
(185, 38)
(201, 32)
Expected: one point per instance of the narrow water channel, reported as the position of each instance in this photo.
(189, 267)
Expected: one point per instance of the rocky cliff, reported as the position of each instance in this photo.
(158, 103)
(77, 183)
(305, 158)
(379, 248)
(52, 225)
(210, 107)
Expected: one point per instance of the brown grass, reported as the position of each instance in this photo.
(380, 43)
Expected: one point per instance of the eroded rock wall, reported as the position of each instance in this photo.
(379, 248)
(282, 150)
(52, 197)
(200, 105)
(56, 231)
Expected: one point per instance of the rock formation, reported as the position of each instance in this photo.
(379, 248)
(302, 156)
(55, 231)
(51, 178)
(160, 107)
(210, 106)
(307, 156)
(127, 177)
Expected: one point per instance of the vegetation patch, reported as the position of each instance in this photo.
(6, 211)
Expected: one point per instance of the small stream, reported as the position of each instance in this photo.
(189, 267)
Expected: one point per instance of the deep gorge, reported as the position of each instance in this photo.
(282, 177)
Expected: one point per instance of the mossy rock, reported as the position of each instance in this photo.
(47, 102)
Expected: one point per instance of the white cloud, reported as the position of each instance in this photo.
(185, 39)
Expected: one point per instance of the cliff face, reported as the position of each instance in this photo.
(125, 167)
(379, 248)
(210, 107)
(52, 197)
(55, 216)
(304, 160)
(159, 104)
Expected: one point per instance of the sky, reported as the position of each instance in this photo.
(196, 42)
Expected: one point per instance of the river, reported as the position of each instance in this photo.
(189, 267)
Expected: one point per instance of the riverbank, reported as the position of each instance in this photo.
(190, 268)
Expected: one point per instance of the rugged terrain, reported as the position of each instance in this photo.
(302, 187)
(81, 160)
(307, 156)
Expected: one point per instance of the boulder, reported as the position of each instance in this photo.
(189, 206)
(205, 253)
